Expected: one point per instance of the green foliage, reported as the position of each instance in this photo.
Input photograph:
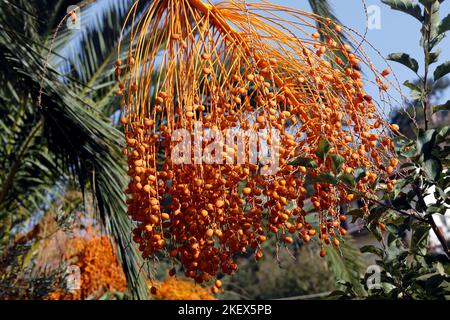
(336, 162)
(305, 162)
(407, 6)
(69, 137)
(323, 148)
(444, 26)
(407, 270)
(347, 264)
(326, 178)
(425, 157)
(442, 70)
(442, 107)
(405, 59)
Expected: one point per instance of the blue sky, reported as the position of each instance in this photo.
(399, 32)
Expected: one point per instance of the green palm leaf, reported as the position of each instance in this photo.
(323, 8)
(78, 139)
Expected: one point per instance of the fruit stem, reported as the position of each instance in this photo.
(234, 36)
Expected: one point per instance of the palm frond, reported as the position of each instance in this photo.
(81, 140)
(323, 8)
(88, 48)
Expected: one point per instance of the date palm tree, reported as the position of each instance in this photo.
(72, 134)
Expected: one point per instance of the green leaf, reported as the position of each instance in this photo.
(436, 40)
(326, 178)
(425, 142)
(432, 17)
(436, 209)
(440, 268)
(409, 151)
(412, 86)
(416, 91)
(355, 214)
(407, 6)
(375, 231)
(440, 194)
(444, 26)
(347, 264)
(323, 148)
(434, 282)
(376, 213)
(407, 165)
(348, 179)
(419, 237)
(434, 56)
(359, 174)
(372, 249)
(432, 168)
(336, 162)
(442, 107)
(405, 60)
(442, 70)
(403, 201)
(399, 186)
(443, 133)
(304, 162)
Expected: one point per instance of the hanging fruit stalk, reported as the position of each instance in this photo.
(258, 68)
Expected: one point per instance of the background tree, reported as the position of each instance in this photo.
(408, 269)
